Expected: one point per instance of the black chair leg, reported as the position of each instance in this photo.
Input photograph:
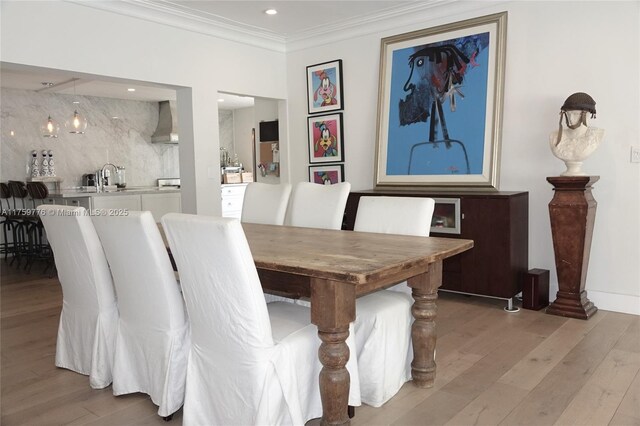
(351, 411)
(168, 418)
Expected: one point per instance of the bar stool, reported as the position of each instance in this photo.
(38, 246)
(8, 221)
(18, 192)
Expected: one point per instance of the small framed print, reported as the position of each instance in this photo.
(326, 175)
(324, 87)
(325, 138)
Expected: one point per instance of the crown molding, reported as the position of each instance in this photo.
(388, 20)
(167, 13)
(360, 25)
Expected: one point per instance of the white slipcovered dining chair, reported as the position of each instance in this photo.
(318, 206)
(383, 319)
(315, 206)
(265, 203)
(249, 364)
(89, 318)
(153, 338)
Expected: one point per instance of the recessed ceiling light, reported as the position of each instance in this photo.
(76, 102)
(270, 11)
(131, 89)
(47, 84)
(115, 117)
(220, 100)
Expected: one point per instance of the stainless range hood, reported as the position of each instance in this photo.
(167, 130)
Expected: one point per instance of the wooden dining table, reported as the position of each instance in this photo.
(332, 269)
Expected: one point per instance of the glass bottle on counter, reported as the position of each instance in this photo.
(120, 178)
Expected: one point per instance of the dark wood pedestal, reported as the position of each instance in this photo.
(572, 211)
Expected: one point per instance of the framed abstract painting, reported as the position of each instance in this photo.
(326, 175)
(325, 138)
(440, 106)
(324, 87)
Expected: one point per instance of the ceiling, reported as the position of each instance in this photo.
(294, 19)
(67, 83)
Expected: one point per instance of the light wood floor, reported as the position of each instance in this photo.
(493, 368)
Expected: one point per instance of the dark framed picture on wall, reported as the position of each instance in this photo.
(440, 105)
(326, 175)
(325, 138)
(324, 87)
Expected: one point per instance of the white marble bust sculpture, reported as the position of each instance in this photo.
(576, 141)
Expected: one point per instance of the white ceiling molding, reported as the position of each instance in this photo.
(172, 14)
(387, 21)
(167, 13)
(360, 25)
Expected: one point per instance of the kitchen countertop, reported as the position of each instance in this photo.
(136, 190)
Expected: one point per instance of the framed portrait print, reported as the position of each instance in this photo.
(325, 138)
(326, 175)
(440, 106)
(324, 87)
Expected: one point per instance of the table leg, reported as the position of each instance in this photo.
(333, 308)
(423, 330)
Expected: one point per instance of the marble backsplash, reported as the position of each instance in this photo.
(123, 141)
(225, 126)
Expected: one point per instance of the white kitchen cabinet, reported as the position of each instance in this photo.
(161, 204)
(79, 202)
(117, 202)
(54, 200)
(232, 198)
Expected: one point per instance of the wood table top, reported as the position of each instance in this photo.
(347, 256)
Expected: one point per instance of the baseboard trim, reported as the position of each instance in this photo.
(624, 303)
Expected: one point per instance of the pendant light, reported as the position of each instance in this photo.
(50, 128)
(77, 124)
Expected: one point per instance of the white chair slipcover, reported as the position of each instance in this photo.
(318, 206)
(249, 364)
(395, 215)
(265, 203)
(87, 330)
(153, 333)
(383, 319)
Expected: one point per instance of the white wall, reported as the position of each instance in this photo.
(553, 50)
(108, 44)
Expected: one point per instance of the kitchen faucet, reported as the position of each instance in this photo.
(104, 175)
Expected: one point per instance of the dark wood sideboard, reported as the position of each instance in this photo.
(497, 222)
